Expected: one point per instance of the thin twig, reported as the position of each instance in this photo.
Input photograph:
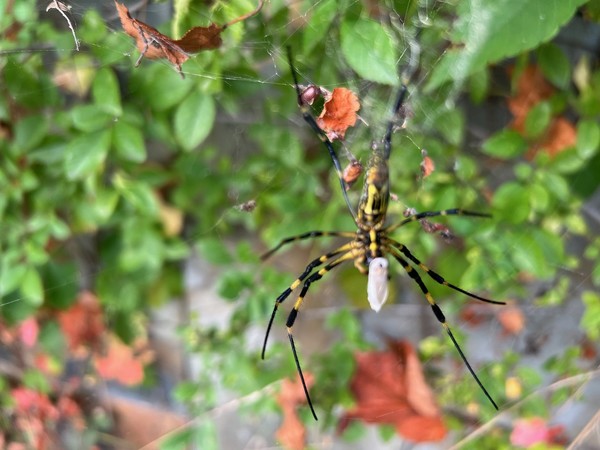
(585, 432)
(246, 16)
(232, 404)
(62, 8)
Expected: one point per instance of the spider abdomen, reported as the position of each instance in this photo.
(377, 283)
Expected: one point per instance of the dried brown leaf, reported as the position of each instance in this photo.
(152, 44)
(389, 387)
(351, 173)
(427, 165)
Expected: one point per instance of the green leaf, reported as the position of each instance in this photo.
(590, 321)
(194, 120)
(588, 138)
(214, 251)
(505, 144)
(554, 64)
(511, 202)
(11, 271)
(180, 9)
(128, 142)
(537, 119)
(488, 31)
(160, 87)
(322, 14)
(370, 50)
(90, 118)
(29, 132)
(105, 92)
(137, 193)
(32, 288)
(86, 153)
(479, 85)
(451, 123)
(232, 284)
(567, 161)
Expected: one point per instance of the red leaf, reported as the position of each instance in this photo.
(535, 430)
(154, 45)
(83, 323)
(28, 331)
(292, 433)
(389, 387)
(339, 113)
(34, 403)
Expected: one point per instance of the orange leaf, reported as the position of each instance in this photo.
(389, 387)
(339, 113)
(154, 45)
(560, 135)
(83, 323)
(292, 433)
(120, 364)
(533, 88)
(512, 319)
(427, 165)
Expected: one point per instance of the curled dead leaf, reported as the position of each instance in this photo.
(427, 165)
(152, 44)
(63, 9)
(351, 173)
(389, 388)
(248, 206)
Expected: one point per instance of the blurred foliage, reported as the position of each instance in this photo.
(112, 176)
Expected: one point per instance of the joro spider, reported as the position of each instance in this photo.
(369, 245)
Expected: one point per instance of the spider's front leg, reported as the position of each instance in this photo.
(309, 268)
(315, 276)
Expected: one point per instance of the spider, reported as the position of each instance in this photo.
(368, 246)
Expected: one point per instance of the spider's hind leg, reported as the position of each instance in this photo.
(439, 315)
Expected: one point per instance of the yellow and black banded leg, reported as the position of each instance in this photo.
(309, 268)
(437, 277)
(441, 318)
(445, 212)
(307, 235)
(308, 118)
(315, 276)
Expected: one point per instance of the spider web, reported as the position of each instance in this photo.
(550, 329)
